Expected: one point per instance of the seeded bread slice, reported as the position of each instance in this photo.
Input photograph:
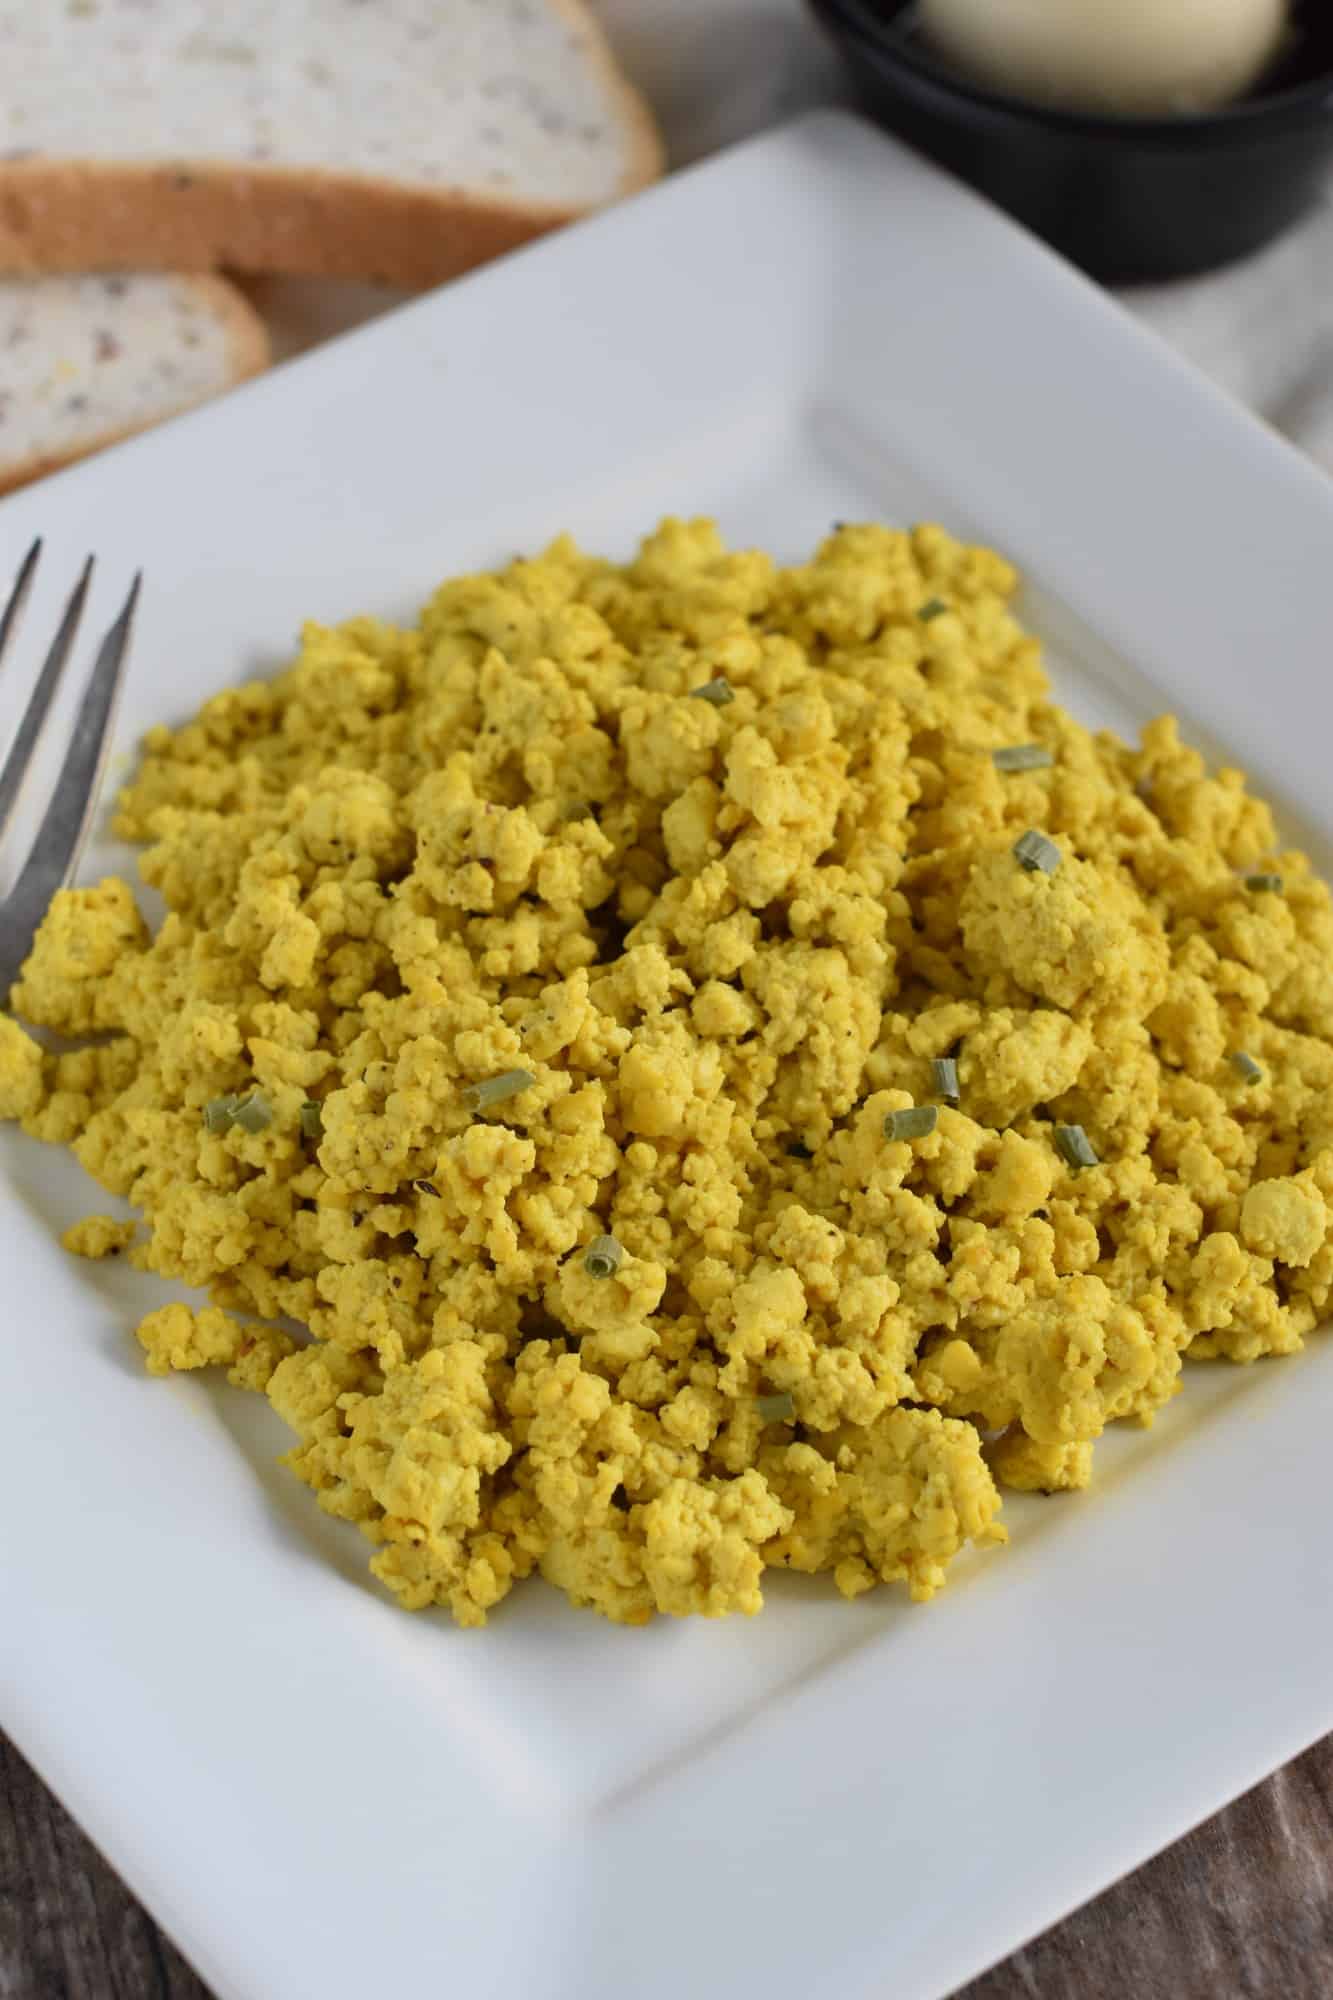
(401, 141)
(87, 360)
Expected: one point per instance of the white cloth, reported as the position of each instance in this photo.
(717, 70)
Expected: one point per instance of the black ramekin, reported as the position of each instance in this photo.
(1131, 198)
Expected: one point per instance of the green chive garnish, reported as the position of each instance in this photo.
(312, 1120)
(1270, 885)
(798, 1150)
(1022, 757)
(253, 1113)
(426, 1187)
(719, 691)
(1035, 852)
(1246, 1067)
(603, 1257)
(1075, 1147)
(495, 1089)
(934, 607)
(775, 1409)
(945, 1071)
(917, 1122)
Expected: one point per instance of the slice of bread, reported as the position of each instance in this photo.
(86, 360)
(401, 141)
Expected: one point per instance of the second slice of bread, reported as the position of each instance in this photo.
(88, 360)
(403, 141)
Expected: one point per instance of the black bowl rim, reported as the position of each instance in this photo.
(1241, 120)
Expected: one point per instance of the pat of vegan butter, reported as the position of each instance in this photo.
(1128, 58)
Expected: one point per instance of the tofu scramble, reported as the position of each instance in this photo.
(728, 1074)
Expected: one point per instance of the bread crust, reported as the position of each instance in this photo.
(247, 354)
(202, 215)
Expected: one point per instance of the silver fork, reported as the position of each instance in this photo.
(59, 839)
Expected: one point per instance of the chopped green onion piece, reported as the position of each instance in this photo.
(253, 1113)
(934, 607)
(495, 1089)
(798, 1150)
(1075, 1147)
(578, 809)
(1022, 757)
(312, 1120)
(775, 1409)
(1034, 851)
(1264, 884)
(427, 1187)
(1246, 1067)
(946, 1077)
(917, 1122)
(603, 1257)
(719, 691)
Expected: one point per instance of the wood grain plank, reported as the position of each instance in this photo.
(1240, 1910)
(69, 1929)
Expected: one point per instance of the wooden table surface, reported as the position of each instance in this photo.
(1240, 1910)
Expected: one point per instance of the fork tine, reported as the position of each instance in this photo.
(9, 617)
(30, 729)
(61, 835)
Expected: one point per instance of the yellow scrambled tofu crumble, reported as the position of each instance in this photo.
(632, 903)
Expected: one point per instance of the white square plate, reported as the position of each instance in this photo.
(318, 1795)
